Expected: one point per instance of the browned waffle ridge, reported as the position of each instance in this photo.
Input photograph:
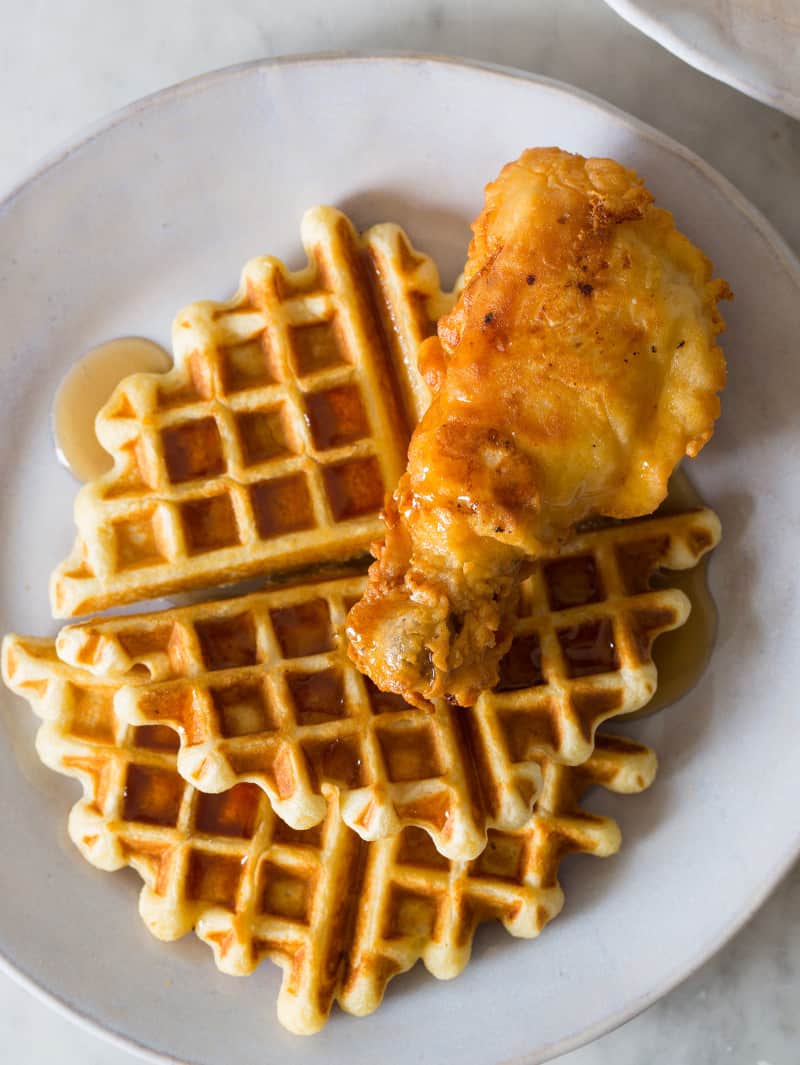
(340, 916)
(260, 690)
(271, 443)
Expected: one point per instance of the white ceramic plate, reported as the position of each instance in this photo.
(753, 45)
(163, 204)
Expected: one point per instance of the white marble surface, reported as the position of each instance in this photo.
(63, 65)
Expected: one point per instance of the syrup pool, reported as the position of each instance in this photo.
(86, 387)
(682, 655)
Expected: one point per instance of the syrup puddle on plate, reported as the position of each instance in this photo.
(86, 387)
(682, 655)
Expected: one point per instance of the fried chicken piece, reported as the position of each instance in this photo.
(577, 368)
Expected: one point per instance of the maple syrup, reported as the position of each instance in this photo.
(86, 387)
(681, 656)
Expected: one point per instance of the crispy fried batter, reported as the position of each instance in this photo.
(576, 370)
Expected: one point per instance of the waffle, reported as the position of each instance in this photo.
(260, 690)
(271, 443)
(340, 916)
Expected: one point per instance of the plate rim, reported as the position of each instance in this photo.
(664, 34)
(776, 243)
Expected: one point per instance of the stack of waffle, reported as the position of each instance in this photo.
(269, 795)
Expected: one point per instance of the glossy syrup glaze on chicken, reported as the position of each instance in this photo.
(575, 371)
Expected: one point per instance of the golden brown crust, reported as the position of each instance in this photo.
(576, 369)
